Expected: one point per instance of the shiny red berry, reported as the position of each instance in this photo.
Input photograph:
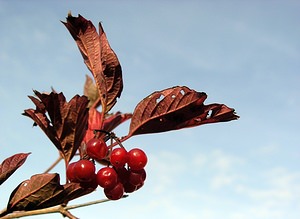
(70, 172)
(137, 159)
(91, 185)
(129, 188)
(115, 192)
(118, 157)
(84, 171)
(107, 177)
(137, 177)
(96, 148)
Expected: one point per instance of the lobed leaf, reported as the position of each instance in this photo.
(10, 165)
(64, 123)
(175, 108)
(40, 191)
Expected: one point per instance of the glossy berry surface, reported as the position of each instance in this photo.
(137, 159)
(115, 192)
(70, 172)
(84, 171)
(137, 177)
(118, 157)
(107, 177)
(96, 148)
(91, 185)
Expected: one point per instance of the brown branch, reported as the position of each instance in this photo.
(64, 210)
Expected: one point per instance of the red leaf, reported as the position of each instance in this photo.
(87, 40)
(109, 124)
(63, 122)
(39, 116)
(85, 34)
(112, 121)
(75, 190)
(99, 58)
(94, 123)
(10, 165)
(176, 108)
(111, 69)
(40, 191)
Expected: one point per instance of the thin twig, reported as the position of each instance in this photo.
(70, 207)
(64, 210)
(54, 164)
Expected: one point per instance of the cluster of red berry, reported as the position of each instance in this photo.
(125, 172)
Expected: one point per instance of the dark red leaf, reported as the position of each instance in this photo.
(99, 58)
(111, 69)
(65, 123)
(87, 39)
(109, 124)
(75, 118)
(85, 34)
(40, 191)
(94, 123)
(10, 165)
(75, 190)
(112, 121)
(40, 118)
(176, 108)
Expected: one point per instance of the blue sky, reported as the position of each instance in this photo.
(243, 54)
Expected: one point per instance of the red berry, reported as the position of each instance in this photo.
(96, 148)
(118, 157)
(123, 174)
(84, 171)
(129, 188)
(107, 177)
(136, 177)
(137, 159)
(70, 172)
(115, 192)
(91, 185)
(139, 186)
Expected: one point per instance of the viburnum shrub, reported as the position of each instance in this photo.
(82, 131)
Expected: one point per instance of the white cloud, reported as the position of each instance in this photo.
(166, 166)
(268, 149)
(224, 162)
(222, 166)
(220, 180)
(273, 197)
(269, 192)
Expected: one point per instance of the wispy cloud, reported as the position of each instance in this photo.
(266, 193)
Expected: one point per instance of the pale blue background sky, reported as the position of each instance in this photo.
(245, 54)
